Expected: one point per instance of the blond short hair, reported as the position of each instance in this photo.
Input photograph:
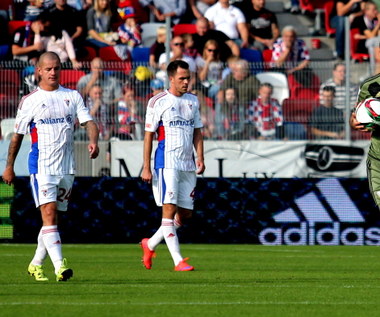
(161, 30)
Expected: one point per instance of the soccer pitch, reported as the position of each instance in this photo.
(229, 280)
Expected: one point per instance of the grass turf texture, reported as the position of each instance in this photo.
(230, 280)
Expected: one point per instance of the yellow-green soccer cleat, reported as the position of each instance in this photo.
(38, 272)
(64, 273)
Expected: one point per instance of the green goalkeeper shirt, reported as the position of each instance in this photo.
(364, 93)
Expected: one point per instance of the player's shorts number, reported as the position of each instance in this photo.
(63, 194)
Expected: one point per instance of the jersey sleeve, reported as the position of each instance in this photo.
(24, 117)
(152, 117)
(83, 113)
(197, 118)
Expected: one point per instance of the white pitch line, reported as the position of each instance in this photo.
(189, 303)
(229, 286)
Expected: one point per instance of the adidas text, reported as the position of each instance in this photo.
(307, 234)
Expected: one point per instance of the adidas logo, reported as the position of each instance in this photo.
(322, 219)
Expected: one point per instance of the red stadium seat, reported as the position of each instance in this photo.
(9, 91)
(305, 93)
(113, 62)
(70, 77)
(298, 110)
(91, 54)
(267, 57)
(15, 24)
(298, 91)
(108, 54)
(179, 29)
(360, 57)
(320, 6)
(329, 8)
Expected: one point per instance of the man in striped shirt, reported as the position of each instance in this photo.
(338, 81)
(49, 114)
(174, 116)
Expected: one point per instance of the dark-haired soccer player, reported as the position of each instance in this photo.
(174, 116)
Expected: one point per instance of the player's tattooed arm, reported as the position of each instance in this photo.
(14, 147)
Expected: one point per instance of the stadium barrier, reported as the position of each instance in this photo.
(270, 211)
(246, 158)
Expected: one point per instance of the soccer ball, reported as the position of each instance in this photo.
(368, 112)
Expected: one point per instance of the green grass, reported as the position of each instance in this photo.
(230, 280)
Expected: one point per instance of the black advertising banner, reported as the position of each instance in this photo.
(269, 211)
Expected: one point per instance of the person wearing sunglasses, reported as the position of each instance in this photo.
(177, 52)
(209, 69)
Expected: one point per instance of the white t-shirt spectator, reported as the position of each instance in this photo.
(225, 19)
(185, 58)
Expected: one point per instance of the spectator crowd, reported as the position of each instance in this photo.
(99, 40)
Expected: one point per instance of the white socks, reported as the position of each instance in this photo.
(41, 252)
(170, 235)
(52, 242)
(156, 239)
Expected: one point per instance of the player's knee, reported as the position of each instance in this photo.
(49, 214)
(184, 214)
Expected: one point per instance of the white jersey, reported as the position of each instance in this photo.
(174, 120)
(49, 117)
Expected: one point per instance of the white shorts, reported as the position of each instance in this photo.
(52, 188)
(174, 187)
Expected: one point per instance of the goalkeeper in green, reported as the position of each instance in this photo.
(370, 88)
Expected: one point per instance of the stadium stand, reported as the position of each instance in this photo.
(286, 89)
(13, 25)
(298, 110)
(296, 113)
(254, 57)
(70, 77)
(149, 33)
(4, 51)
(90, 54)
(7, 126)
(108, 53)
(113, 61)
(321, 9)
(9, 92)
(267, 55)
(359, 57)
(298, 91)
(140, 54)
(251, 55)
(279, 83)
